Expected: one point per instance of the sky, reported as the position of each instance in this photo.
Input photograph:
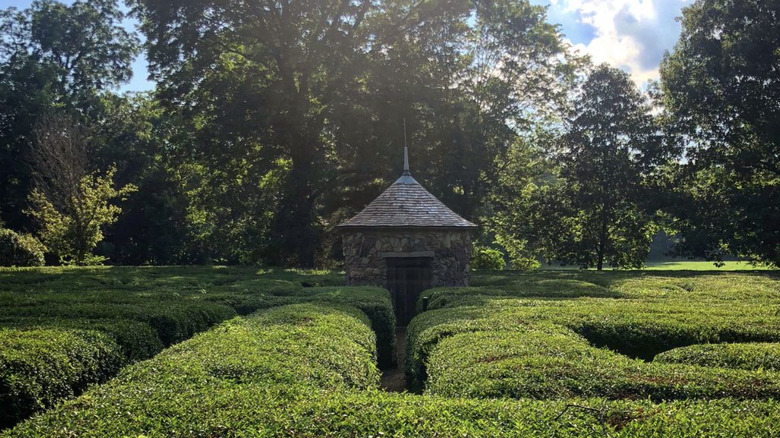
(628, 34)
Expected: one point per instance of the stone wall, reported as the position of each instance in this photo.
(364, 250)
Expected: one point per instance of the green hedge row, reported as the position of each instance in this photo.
(747, 356)
(547, 288)
(373, 301)
(628, 332)
(174, 321)
(642, 318)
(222, 409)
(304, 347)
(38, 367)
(136, 340)
(548, 362)
(177, 316)
(130, 332)
(256, 410)
(143, 310)
(307, 370)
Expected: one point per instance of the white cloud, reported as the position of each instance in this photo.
(629, 34)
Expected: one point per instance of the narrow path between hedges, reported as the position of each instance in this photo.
(394, 380)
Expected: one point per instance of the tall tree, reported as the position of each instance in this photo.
(146, 146)
(260, 74)
(609, 147)
(53, 56)
(721, 88)
(299, 97)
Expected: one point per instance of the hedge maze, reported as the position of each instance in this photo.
(64, 329)
(544, 354)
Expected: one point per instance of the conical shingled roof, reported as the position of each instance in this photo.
(406, 204)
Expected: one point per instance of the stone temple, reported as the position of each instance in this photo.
(407, 241)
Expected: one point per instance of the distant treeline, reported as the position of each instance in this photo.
(271, 122)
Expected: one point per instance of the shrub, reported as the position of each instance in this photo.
(305, 370)
(487, 258)
(136, 340)
(20, 249)
(174, 321)
(748, 356)
(41, 366)
(375, 303)
(305, 347)
(218, 408)
(547, 361)
(640, 318)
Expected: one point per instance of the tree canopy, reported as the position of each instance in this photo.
(273, 121)
(721, 90)
(53, 57)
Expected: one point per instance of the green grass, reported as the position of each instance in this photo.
(705, 266)
(680, 265)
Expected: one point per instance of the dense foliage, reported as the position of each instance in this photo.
(20, 249)
(721, 88)
(133, 313)
(53, 57)
(747, 356)
(39, 367)
(309, 369)
(605, 158)
(271, 123)
(487, 258)
(571, 315)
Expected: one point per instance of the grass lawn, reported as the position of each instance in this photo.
(704, 266)
(679, 265)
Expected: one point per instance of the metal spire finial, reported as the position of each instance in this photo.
(406, 153)
(406, 177)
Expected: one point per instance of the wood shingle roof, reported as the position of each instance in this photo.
(406, 204)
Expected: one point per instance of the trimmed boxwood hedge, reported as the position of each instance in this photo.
(136, 340)
(146, 309)
(546, 362)
(304, 346)
(747, 356)
(38, 367)
(306, 370)
(241, 382)
(373, 301)
(643, 318)
(174, 321)
(220, 408)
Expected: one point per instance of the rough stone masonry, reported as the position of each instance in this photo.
(365, 252)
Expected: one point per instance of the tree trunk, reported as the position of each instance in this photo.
(302, 237)
(294, 222)
(602, 242)
(299, 133)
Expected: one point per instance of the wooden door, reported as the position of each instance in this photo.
(406, 279)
